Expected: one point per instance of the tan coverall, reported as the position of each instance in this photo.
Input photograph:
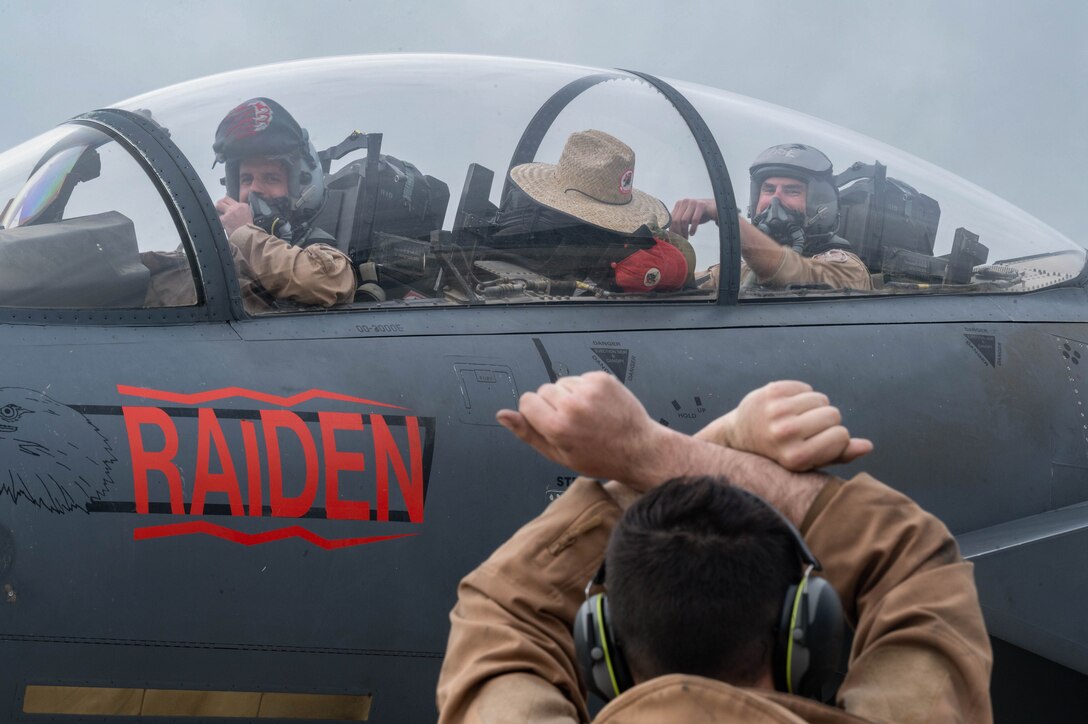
(837, 268)
(316, 275)
(920, 651)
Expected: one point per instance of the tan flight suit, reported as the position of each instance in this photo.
(837, 268)
(317, 275)
(920, 651)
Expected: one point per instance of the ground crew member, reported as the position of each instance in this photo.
(920, 650)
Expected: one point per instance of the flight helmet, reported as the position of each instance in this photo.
(261, 127)
(805, 163)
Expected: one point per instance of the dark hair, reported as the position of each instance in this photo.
(697, 576)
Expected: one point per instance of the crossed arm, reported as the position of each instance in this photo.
(592, 424)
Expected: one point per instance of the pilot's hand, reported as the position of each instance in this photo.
(789, 423)
(233, 214)
(591, 424)
(687, 214)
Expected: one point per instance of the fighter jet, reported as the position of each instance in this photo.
(220, 500)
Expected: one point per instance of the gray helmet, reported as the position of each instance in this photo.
(262, 128)
(804, 163)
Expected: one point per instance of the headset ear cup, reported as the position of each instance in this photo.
(783, 661)
(598, 653)
(808, 649)
(824, 637)
(623, 678)
(585, 644)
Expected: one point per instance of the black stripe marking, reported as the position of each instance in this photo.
(552, 376)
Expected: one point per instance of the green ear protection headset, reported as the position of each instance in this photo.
(808, 656)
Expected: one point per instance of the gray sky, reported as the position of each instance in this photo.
(996, 92)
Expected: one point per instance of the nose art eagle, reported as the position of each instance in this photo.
(50, 454)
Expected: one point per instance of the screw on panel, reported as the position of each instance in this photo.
(9, 593)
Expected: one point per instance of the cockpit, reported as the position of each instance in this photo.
(463, 181)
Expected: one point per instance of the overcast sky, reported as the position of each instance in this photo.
(996, 92)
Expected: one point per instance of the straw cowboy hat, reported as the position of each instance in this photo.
(593, 182)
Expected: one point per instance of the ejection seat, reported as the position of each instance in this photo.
(375, 206)
(893, 227)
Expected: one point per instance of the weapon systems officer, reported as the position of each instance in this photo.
(794, 213)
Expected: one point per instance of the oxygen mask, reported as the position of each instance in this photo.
(782, 224)
(272, 215)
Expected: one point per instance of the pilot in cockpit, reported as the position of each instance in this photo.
(275, 188)
(582, 220)
(272, 167)
(794, 212)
